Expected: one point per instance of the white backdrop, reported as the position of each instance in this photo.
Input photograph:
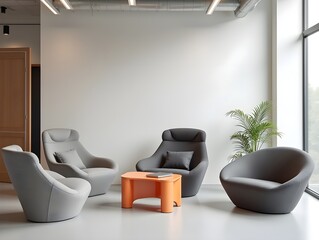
(121, 78)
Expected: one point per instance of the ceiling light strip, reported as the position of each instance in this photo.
(132, 2)
(49, 5)
(212, 7)
(66, 4)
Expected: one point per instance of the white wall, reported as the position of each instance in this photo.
(121, 78)
(287, 71)
(23, 36)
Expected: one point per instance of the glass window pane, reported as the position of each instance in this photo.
(313, 12)
(313, 106)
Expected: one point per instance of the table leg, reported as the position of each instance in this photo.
(167, 198)
(178, 192)
(127, 193)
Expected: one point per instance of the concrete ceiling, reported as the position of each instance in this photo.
(28, 11)
(20, 12)
(152, 5)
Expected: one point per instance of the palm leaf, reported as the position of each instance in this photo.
(255, 129)
(261, 112)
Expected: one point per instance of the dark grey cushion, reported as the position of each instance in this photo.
(70, 157)
(179, 160)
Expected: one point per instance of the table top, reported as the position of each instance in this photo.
(142, 176)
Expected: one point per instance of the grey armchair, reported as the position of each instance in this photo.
(182, 151)
(45, 196)
(270, 180)
(66, 155)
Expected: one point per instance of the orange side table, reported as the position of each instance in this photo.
(136, 185)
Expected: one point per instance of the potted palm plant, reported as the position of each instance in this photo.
(255, 129)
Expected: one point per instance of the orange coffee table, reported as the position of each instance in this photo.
(136, 185)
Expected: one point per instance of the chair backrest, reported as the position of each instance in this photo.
(278, 164)
(31, 182)
(184, 139)
(184, 135)
(62, 140)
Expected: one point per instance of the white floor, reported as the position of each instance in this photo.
(209, 215)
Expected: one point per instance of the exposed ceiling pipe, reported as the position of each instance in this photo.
(245, 7)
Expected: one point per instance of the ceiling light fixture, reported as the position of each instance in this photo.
(6, 30)
(212, 7)
(132, 2)
(49, 5)
(66, 4)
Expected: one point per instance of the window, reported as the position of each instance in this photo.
(313, 12)
(311, 87)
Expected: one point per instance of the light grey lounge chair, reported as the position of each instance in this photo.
(182, 151)
(270, 180)
(66, 155)
(45, 196)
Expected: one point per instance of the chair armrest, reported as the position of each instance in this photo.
(67, 170)
(148, 163)
(103, 163)
(55, 175)
(200, 168)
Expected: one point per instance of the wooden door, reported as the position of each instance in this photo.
(15, 116)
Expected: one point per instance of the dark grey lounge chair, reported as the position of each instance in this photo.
(182, 151)
(270, 180)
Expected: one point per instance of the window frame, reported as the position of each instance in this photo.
(306, 32)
